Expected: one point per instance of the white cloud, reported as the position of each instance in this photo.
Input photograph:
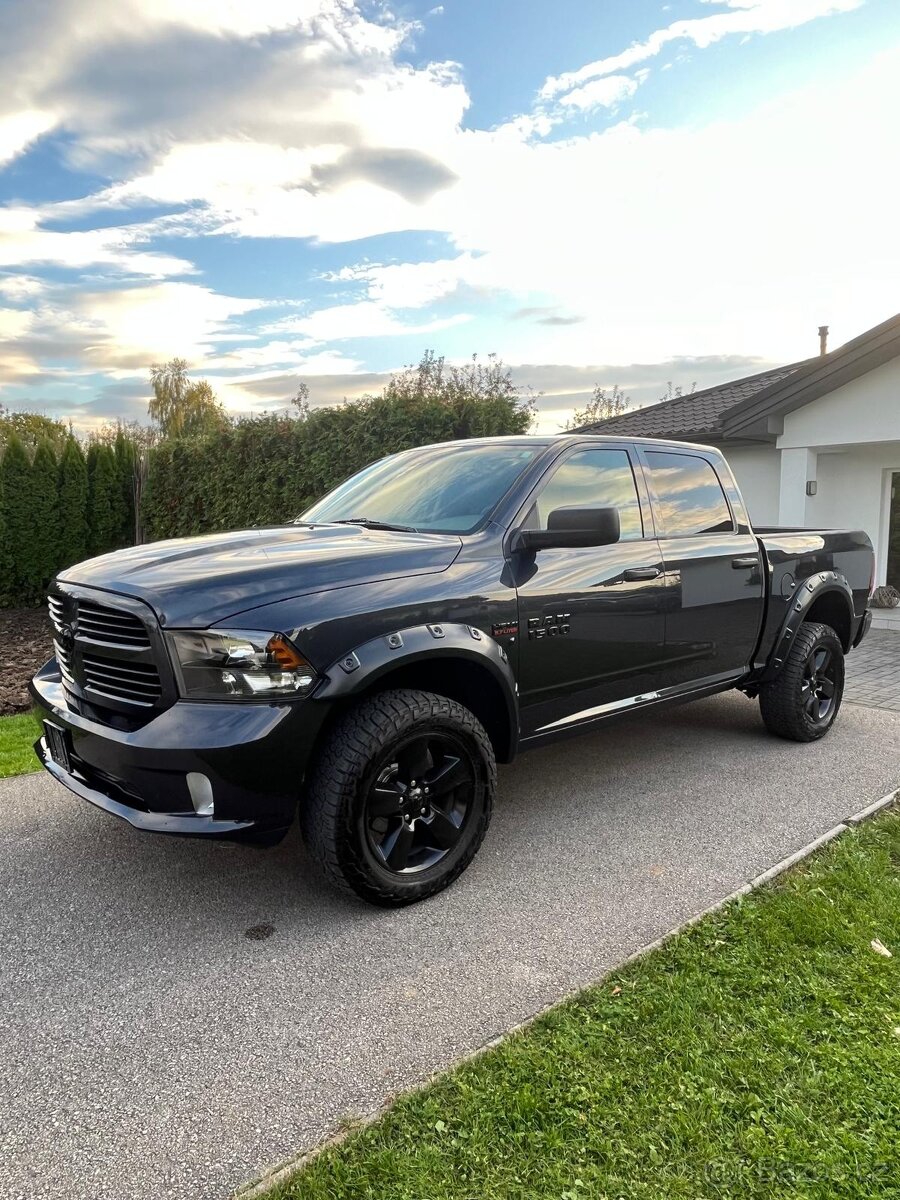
(296, 118)
(19, 129)
(604, 93)
(736, 235)
(743, 17)
(135, 326)
(368, 319)
(21, 288)
(13, 322)
(23, 242)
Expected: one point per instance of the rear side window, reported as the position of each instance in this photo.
(592, 479)
(689, 497)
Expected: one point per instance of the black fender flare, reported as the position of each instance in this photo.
(802, 599)
(357, 669)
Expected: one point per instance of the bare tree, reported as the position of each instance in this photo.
(602, 405)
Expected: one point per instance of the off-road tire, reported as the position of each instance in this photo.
(781, 701)
(332, 808)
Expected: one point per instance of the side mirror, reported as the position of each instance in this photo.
(571, 527)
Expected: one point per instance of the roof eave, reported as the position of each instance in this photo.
(826, 374)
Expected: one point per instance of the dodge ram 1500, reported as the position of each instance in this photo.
(438, 612)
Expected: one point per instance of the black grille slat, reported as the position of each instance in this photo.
(125, 696)
(101, 672)
(102, 624)
(64, 658)
(123, 676)
(110, 639)
(119, 666)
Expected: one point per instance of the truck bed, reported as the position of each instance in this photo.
(794, 557)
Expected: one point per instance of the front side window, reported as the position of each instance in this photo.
(592, 479)
(689, 497)
(448, 488)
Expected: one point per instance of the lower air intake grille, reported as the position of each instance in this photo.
(138, 683)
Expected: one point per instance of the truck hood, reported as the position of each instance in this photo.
(198, 581)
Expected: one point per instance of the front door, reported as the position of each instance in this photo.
(591, 619)
(714, 570)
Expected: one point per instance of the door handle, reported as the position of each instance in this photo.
(745, 563)
(633, 574)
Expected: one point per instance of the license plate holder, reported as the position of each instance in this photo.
(58, 745)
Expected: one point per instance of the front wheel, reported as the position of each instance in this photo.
(803, 701)
(400, 797)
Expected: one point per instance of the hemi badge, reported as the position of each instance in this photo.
(505, 629)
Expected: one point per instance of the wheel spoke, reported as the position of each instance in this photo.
(822, 659)
(826, 687)
(396, 846)
(417, 807)
(445, 775)
(385, 800)
(811, 703)
(441, 830)
(414, 760)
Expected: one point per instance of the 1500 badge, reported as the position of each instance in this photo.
(552, 625)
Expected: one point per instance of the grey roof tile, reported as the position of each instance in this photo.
(698, 413)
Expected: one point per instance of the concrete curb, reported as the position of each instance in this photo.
(284, 1170)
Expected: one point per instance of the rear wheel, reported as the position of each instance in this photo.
(803, 701)
(400, 797)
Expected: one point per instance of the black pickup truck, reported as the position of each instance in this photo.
(438, 612)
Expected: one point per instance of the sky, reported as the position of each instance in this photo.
(318, 190)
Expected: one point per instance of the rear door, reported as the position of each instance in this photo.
(713, 566)
(591, 618)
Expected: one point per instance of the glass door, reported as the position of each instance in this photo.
(893, 552)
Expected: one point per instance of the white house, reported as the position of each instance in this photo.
(815, 443)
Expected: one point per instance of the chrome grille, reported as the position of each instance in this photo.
(105, 654)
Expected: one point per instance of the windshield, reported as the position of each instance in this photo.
(435, 489)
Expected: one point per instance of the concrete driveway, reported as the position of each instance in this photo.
(149, 1048)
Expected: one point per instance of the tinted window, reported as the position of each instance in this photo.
(689, 496)
(435, 488)
(593, 479)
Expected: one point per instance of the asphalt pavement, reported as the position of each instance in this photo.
(150, 1048)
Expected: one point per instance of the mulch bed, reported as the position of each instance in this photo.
(25, 645)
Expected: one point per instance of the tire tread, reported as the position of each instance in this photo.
(779, 701)
(326, 813)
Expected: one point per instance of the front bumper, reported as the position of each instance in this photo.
(253, 754)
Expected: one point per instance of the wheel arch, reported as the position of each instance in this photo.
(827, 598)
(458, 661)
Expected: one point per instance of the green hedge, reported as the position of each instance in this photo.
(55, 514)
(266, 470)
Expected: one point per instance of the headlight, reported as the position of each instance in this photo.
(238, 662)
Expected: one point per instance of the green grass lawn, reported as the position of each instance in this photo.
(756, 1055)
(17, 735)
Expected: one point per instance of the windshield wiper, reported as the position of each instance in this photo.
(367, 523)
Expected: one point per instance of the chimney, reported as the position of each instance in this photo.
(823, 339)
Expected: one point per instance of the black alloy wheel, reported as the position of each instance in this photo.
(400, 797)
(819, 686)
(802, 701)
(417, 805)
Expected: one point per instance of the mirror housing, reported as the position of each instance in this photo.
(572, 527)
